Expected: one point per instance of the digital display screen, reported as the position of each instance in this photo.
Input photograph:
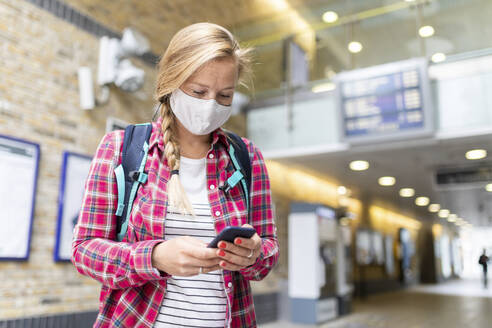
(381, 101)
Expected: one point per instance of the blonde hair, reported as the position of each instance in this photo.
(189, 49)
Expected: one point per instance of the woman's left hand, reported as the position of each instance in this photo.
(240, 254)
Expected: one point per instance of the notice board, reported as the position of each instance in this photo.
(19, 162)
(74, 172)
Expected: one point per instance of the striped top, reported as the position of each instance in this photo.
(196, 301)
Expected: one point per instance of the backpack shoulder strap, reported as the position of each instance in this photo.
(130, 173)
(238, 151)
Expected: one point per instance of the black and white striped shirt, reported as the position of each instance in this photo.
(196, 301)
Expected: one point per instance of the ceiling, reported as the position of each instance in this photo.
(386, 28)
(413, 164)
(159, 20)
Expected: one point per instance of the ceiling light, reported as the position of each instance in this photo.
(355, 47)
(422, 201)
(387, 181)
(489, 187)
(341, 190)
(407, 192)
(426, 31)
(330, 17)
(443, 213)
(359, 165)
(438, 57)
(476, 154)
(409, 0)
(434, 208)
(452, 218)
(280, 4)
(324, 87)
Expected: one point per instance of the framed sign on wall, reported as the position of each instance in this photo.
(19, 162)
(74, 172)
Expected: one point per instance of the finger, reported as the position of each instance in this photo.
(200, 252)
(252, 242)
(238, 250)
(203, 263)
(236, 259)
(194, 241)
(230, 266)
(249, 243)
(210, 269)
(195, 270)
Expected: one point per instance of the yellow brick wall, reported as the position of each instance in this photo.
(39, 58)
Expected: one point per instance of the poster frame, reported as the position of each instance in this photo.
(33, 202)
(61, 198)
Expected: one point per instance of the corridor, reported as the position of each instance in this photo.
(456, 304)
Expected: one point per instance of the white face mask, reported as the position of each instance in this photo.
(198, 116)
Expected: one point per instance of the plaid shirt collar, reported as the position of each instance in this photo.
(157, 138)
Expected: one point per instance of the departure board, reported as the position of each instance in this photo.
(384, 102)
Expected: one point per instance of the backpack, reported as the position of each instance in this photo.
(483, 259)
(130, 173)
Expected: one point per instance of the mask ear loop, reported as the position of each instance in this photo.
(157, 110)
(158, 106)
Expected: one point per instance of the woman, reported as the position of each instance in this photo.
(162, 274)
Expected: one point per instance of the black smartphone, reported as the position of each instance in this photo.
(230, 233)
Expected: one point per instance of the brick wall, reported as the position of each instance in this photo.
(39, 58)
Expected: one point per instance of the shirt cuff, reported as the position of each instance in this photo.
(143, 260)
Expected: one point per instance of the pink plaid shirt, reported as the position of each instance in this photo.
(132, 290)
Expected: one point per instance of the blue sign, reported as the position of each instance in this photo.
(383, 101)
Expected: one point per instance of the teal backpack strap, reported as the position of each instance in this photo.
(120, 180)
(130, 173)
(139, 177)
(237, 176)
(239, 154)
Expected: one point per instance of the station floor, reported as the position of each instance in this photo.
(456, 304)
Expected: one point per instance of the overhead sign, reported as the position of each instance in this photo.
(384, 102)
(19, 161)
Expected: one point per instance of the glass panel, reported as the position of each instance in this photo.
(315, 122)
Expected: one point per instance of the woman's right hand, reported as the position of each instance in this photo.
(183, 256)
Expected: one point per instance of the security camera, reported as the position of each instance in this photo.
(129, 78)
(114, 67)
(134, 43)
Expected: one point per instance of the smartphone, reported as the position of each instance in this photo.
(230, 233)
